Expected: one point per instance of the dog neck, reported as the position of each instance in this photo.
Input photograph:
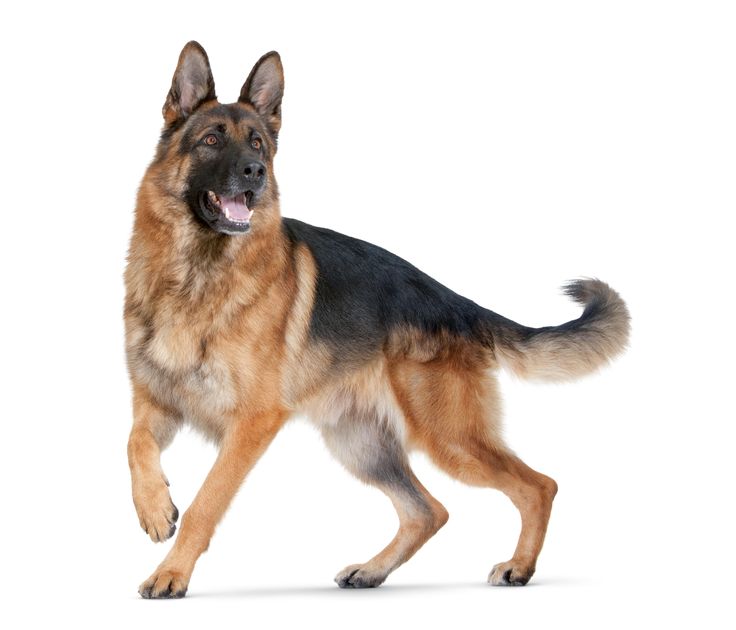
(193, 267)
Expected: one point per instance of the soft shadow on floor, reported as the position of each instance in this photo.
(386, 590)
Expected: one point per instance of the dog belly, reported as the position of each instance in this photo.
(363, 394)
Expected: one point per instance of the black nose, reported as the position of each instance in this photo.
(254, 171)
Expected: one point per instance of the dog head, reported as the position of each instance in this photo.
(217, 160)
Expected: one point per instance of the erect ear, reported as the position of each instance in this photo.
(191, 86)
(264, 89)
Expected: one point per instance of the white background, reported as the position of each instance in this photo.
(501, 147)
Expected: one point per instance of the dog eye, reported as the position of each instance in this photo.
(256, 143)
(210, 139)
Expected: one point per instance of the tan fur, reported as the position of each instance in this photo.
(298, 383)
(218, 337)
(453, 413)
(415, 528)
(205, 344)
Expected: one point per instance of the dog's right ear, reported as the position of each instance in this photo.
(191, 86)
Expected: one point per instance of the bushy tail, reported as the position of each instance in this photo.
(573, 349)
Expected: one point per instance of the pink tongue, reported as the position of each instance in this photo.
(237, 209)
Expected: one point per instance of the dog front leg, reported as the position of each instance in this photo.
(153, 429)
(244, 442)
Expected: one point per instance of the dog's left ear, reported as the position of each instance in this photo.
(264, 89)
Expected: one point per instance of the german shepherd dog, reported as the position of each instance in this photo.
(237, 319)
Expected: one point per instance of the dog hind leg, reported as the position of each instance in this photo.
(453, 414)
(367, 445)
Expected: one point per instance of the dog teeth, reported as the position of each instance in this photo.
(226, 212)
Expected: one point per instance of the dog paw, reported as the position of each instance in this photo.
(164, 584)
(156, 512)
(359, 576)
(510, 574)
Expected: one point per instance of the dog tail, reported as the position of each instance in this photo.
(571, 350)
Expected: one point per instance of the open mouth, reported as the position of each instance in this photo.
(228, 214)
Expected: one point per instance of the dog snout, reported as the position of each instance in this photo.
(254, 172)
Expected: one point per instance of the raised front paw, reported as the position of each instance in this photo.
(164, 584)
(156, 512)
(510, 574)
